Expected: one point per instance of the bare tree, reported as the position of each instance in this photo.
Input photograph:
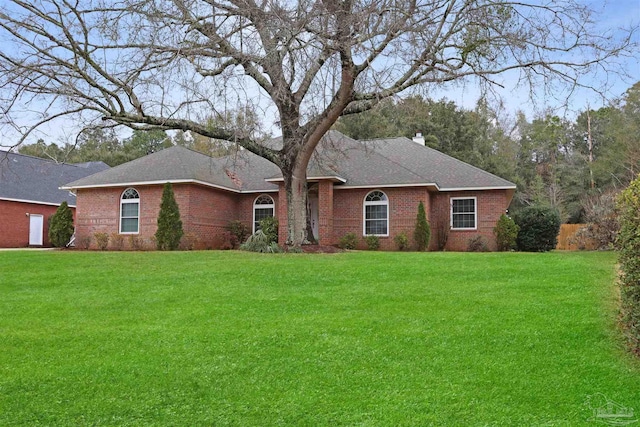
(163, 63)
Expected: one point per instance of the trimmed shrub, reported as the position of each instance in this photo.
(102, 240)
(85, 242)
(61, 226)
(170, 229)
(442, 234)
(402, 241)
(348, 241)
(539, 228)
(269, 227)
(227, 241)
(259, 242)
(506, 231)
(117, 241)
(188, 242)
(478, 244)
(136, 243)
(628, 243)
(373, 242)
(422, 233)
(239, 233)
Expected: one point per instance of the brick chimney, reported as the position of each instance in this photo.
(419, 139)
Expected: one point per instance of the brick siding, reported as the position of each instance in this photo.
(14, 222)
(348, 208)
(490, 205)
(206, 212)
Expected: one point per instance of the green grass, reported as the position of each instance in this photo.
(231, 338)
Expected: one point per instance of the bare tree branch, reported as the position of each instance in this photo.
(168, 63)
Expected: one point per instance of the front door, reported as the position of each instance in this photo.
(36, 229)
(313, 208)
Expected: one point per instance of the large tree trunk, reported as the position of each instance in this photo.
(295, 184)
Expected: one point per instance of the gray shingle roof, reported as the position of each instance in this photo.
(397, 161)
(243, 171)
(380, 162)
(446, 172)
(32, 179)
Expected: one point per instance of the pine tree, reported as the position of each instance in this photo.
(169, 230)
(422, 233)
(61, 226)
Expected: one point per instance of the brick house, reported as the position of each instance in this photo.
(30, 194)
(364, 187)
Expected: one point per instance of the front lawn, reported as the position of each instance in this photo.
(362, 338)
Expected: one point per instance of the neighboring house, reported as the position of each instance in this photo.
(30, 194)
(364, 187)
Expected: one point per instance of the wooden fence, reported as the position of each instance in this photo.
(568, 241)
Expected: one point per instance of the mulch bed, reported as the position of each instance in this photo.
(320, 249)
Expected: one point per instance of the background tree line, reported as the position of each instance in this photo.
(100, 144)
(548, 157)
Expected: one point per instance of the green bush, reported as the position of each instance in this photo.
(373, 242)
(628, 243)
(506, 231)
(238, 233)
(422, 233)
(539, 228)
(102, 240)
(348, 241)
(269, 227)
(402, 241)
(259, 242)
(61, 226)
(170, 229)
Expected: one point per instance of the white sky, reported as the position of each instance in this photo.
(613, 14)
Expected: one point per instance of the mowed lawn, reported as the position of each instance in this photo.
(361, 338)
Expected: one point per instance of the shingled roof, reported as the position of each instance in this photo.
(348, 162)
(448, 173)
(395, 162)
(242, 172)
(35, 180)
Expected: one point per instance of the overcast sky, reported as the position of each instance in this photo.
(611, 15)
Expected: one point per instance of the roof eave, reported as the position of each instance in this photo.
(34, 202)
(333, 178)
(164, 181)
(423, 184)
(485, 188)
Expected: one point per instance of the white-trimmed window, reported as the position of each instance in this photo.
(263, 207)
(130, 212)
(376, 214)
(464, 213)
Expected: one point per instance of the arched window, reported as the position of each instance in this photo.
(263, 207)
(376, 214)
(129, 212)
